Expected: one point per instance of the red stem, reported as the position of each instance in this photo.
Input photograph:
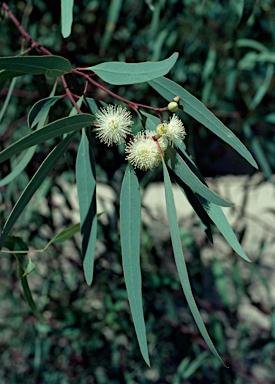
(128, 102)
(34, 44)
(23, 32)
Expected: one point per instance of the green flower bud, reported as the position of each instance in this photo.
(173, 106)
(161, 129)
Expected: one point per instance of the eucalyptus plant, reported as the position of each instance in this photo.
(160, 143)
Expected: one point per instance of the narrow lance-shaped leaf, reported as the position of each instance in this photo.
(114, 9)
(86, 189)
(176, 163)
(217, 216)
(193, 107)
(52, 66)
(196, 205)
(117, 73)
(65, 234)
(14, 243)
(34, 184)
(180, 262)
(23, 162)
(7, 99)
(259, 152)
(66, 17)
(6, 75)
(40, 109)
(27, 291)
(30, 268)
(19, 167)
(49, 131)
(130, 219)
(214, 211)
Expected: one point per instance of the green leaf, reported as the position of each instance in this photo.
(130, 219)
(34, 184)
(7, 99)
(6, 75)
(132, 73)
(27, 291)
(250, 43)
(258, 151)
(114, 9)
(193, 107)
(92, 105)
(248, 8)
(17, 244)
(30, 268)
(86, 189)
(24, 161)
(177, 164)
(66, 17)
(65, 234)
(40, 109)
(196, 205)
(263, 88)
(270, 118)
(49, 131)
(52, 66)
(217, 216)
(180, 262)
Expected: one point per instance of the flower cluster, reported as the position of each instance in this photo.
(145, 150)
(113, 124)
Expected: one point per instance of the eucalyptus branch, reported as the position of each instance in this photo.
(34, 44)
(23, 32)
(131, 104)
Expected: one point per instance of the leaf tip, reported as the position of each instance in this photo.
(88, 279)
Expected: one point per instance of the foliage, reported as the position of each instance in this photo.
(88, 160)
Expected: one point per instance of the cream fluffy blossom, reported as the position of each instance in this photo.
(173, 131)
(144, 151)
(113, 124)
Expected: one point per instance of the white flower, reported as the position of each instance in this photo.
(113, 124)
(174, 131)
(145, 151)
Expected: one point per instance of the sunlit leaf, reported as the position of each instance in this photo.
(86, 189)
(130, 221)
(132, 73)
(193, 107)
(180, 262)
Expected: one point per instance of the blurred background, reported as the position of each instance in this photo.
(226, 59)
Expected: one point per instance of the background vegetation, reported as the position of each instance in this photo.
(226, 60)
